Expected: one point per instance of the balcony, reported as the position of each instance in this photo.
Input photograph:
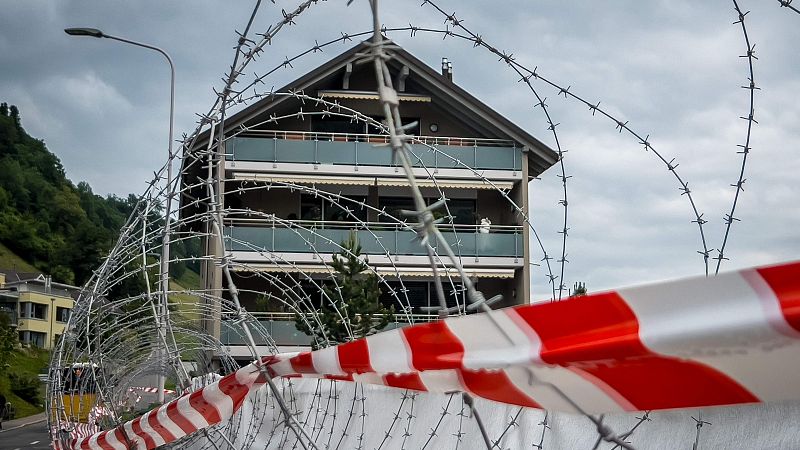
(367, 150)
(11, 313)
(323, 237)
(282, 330)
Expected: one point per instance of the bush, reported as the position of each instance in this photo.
(26, 386)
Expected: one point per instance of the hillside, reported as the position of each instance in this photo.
(27, 364)
(10, 260)
(57, 227)
(51, 225)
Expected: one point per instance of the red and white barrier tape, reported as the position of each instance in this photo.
(149, 389)
(178, 418)
(730, 339)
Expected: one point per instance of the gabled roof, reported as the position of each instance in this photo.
(13, 276)
(470, 109)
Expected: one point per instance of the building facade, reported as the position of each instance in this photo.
(36, 306)
(299, 175)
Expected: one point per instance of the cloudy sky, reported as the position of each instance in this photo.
(671, 68)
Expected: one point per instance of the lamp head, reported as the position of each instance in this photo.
(94, 32)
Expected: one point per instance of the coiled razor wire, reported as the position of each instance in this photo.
(127, 341)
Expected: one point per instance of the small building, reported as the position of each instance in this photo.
(298, 175)
(36, 306)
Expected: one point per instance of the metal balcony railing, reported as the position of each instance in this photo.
(376, 238)
(283, 331)
(366, 150)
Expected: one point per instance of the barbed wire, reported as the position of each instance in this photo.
(750, 119)
(788, 4)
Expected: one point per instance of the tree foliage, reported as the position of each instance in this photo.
(26, 386)
(354, 309)
(8, 340)
(60, 228)
(579, 290)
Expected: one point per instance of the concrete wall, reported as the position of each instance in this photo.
(368, 416)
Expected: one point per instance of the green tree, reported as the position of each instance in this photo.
(355, 310)
(60, 228)
(579, 290)
(8, 340)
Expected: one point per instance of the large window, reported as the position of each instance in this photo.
(316, 208)
(344, 125)
(33, 338)
(414, 131)
(62, 314)
(29, 310)
(338, 125)
(419, 295)
(393, 208)
(463, 211)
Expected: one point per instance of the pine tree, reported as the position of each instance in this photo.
(579, 290)
(354, 309)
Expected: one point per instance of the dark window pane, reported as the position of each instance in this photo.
(338, 125)
(463, 211)
(393, 206)
(417, 293)
(338, 213)
(310, 207)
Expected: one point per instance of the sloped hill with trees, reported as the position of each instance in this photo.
(57, 227)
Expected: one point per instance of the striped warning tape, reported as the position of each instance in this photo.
(152, 390)
(731, 339)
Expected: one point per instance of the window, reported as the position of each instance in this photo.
(316, 208)
(30, 310)
(420, 294)
(62, 314)
(338, 125)
(463, 210)
(32, 338)
(9, 309)
(406, 120)
(394, 207)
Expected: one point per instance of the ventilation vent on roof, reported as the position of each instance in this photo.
(447, 69)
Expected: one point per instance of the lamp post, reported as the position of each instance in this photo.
(165, 253)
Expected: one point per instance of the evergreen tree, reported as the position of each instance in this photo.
(356, 310)
(579, 290)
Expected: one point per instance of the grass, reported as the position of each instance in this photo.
(190, 280)
(186, 304)
(29, 362)
(9, 260)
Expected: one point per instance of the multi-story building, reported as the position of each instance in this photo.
(297, 181)
(38, 307)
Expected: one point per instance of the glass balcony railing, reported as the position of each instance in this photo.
(282, 330)
(365, 150)
(375, 238)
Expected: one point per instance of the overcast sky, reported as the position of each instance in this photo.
(671, 68)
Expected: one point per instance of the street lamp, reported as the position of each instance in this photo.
(165, 253)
